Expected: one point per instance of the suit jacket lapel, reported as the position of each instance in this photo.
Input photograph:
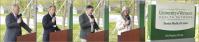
(87, 17)
(12, 16)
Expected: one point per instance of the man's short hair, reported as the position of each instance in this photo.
(15, 5)
(89, 6)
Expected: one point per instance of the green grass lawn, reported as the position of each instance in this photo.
(39, 32)
(112, 35)
(2, 31)
(197, 33)
(76, 31)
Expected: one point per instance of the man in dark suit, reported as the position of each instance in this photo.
(87, 23)
(14, 23)
(49, 23)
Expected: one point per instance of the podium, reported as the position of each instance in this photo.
(96, 37)
(27, 38)
(59, 36)
(131, 36)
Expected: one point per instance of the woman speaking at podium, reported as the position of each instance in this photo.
(124, 23)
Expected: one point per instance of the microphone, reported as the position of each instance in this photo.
(19, 15)
(19, 18)
(54, 16)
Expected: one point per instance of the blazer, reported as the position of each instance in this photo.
(120, 27)
(48, 27)
(85, 25)
(13, 29)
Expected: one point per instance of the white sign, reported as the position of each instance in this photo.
(174, 16)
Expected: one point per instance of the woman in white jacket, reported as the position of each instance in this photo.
(124, 23)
